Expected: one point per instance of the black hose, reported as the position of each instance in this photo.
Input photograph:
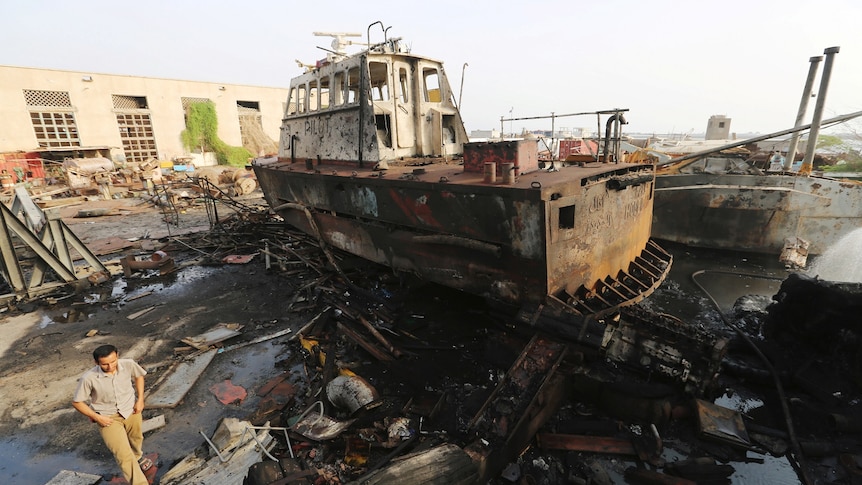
(799, 462)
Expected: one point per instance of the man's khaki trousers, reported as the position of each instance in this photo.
(125, 440)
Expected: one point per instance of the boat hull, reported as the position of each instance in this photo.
(755, 213)
(548, 234)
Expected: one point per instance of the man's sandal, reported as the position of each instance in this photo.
(145, 463)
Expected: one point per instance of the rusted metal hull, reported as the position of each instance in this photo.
(755, 212)
(374, 160)
(567, 233)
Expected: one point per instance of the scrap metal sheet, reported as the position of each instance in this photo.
(68, 477)
(177, 385)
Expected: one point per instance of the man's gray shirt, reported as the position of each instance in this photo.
(110, 394)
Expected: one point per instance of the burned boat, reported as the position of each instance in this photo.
(711, 199)
(374, 160)
(718, 199)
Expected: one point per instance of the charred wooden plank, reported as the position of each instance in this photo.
(593, 444)
(443, 465)
(365, 344)
(391, 348)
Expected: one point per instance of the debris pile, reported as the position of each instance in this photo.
(392, 379)
(384, 376)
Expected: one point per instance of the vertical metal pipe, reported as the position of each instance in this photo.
(463, 68)
(800, 115)
(599, 151)
(553, 137)
(808, 161)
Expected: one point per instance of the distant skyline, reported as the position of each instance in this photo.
(671, 66)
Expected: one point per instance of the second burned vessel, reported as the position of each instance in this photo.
(374, 160)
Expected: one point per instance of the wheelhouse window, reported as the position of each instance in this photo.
(353, 85)
(301, 99)
(403, 85)
(432, 85)
(379, 81)
(293, 102)
(339, 88)
(313, 96)
(325, 92)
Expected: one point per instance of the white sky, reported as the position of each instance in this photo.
(672, 64)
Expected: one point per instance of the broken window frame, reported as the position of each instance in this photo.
(378, 73)
(566, 217)
(313, 95)
(403, 85)
(248, 114)
(302, 98)
(339, 88)
(431, 85)
(353, 85)
(292, 103)
(324, 93)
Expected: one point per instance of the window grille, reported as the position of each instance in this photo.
(55, 99)
(189, 101)
(136, 132)
(55, 130)
(129, 102)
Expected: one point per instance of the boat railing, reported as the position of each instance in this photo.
(609, 146)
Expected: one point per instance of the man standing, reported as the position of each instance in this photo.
(114, 406)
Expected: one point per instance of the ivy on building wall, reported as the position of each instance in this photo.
(201, 133)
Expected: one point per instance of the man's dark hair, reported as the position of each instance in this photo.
(103, 351)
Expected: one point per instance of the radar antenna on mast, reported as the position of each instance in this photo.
(339, 43)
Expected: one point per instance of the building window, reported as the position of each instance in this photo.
(56, 99)
(53, 119)
(251, 129)
(190, 101)
(55, 130)
(136, 132)
(136, 128)
(129, 102)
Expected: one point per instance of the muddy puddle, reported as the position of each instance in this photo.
(21, 462)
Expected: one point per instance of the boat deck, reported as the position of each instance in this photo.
(452, 172)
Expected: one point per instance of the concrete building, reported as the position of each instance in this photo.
(718, 128)
(53, 114)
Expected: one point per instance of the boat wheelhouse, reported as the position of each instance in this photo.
(374, 160)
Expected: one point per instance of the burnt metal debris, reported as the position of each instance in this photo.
(396, 180)
(390, 388)
(533, 385)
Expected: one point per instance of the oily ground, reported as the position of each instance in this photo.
(45, 344)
